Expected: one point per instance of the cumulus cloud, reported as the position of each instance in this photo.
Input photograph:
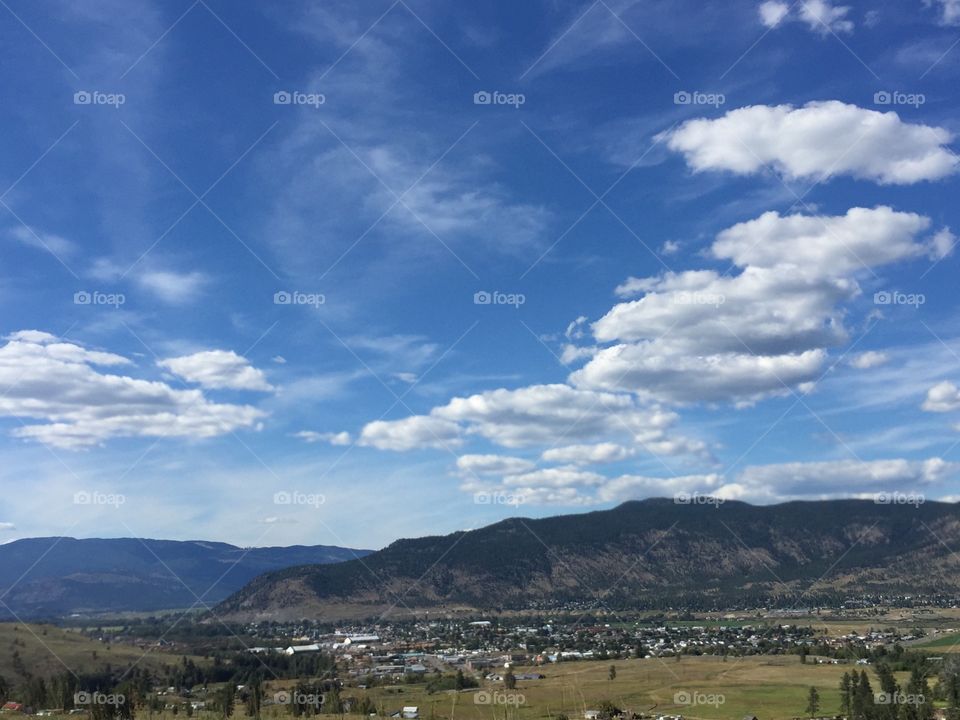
(869, 359)
(700, 336)
(311, 436)
(492, 465)
(820, 139)
(554, 477)
(949, 10)
(528, 416)
(836, 245)
(839, 478)
(772, 13)
(587, 454)
(569, 485)
(823, 17)
(630, 487)
(942, 397)
(59, 384)
(415, 432)
(217, 369)
(819, 15)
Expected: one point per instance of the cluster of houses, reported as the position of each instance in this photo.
(400, 649)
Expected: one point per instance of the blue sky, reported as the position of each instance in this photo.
(339, 273)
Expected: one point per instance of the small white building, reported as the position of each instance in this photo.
(298, 649)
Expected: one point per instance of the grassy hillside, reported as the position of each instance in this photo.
(46, 650)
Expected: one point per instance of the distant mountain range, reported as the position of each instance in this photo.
(52, 577)
(642, 554)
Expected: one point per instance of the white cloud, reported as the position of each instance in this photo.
(949, 10)
(942, 397)
(173, 287)
(670, 247)
(7, 526)
(311, 436)
(417, 431)
(841, 478)
(31, 237)
(650, 370)
(217, 369)
(821, 139)
(492, 465)
(702, 336)
(629, 487)
(819, 15)
(58, 383)
(824, 18)
(757, 483)
(555, 477)
(533, 415)
(773, 12)
(587, 454)
(832, 245)
(869, 359)
(451, 204)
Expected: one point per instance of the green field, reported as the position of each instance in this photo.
(944, 642)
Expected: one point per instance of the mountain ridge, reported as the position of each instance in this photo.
(642, 553)
(57, 575)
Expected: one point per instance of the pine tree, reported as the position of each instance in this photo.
(845, 694)
(813, 702)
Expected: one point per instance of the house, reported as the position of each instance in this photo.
(591, 714)
(410, 712)
(12, 707)
(750, 717)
